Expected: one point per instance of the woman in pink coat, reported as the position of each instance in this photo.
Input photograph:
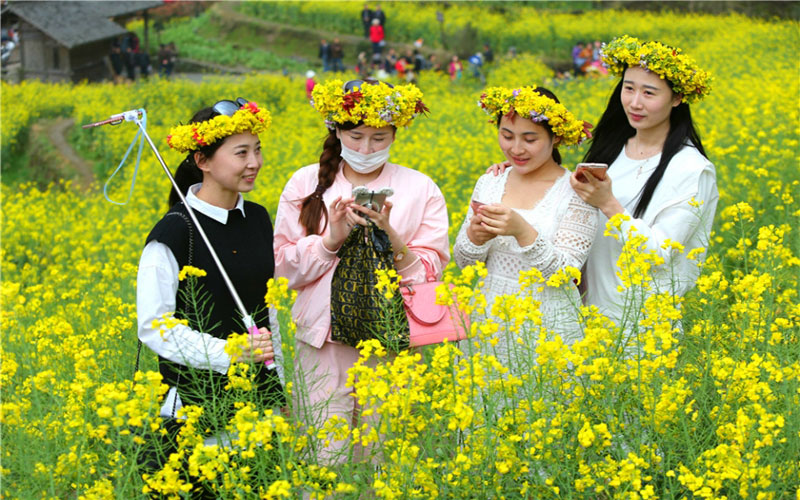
(316, 213)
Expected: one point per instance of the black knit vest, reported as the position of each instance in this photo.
(244, 246)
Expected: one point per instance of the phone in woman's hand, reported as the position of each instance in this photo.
(373, 200)
(598, 170)
(475, 204)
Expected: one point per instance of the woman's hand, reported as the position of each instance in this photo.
(476, 232)
(498, 168)
(587, 129)
(338, 225)
(596, 193)
(381, 220)
(499, 219)
(259, 349)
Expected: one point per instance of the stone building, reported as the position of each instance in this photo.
(70, 40)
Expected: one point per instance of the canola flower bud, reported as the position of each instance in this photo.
(388, 282)
(737, 212)
(190, 271)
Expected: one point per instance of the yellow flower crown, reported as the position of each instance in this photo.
(668, 63)
(249, 118)
(527, 103)
(377, 104)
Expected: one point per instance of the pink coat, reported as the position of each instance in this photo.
(419, 215)
(310, 84)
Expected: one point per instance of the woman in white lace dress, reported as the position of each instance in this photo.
(530, 217)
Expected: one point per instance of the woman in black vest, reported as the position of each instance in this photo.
(223, 160)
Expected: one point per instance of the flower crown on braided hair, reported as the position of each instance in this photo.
(682, 72)
(528, 103)
(248, 118)
(376, 104)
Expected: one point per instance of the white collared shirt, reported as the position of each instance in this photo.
(156, 289)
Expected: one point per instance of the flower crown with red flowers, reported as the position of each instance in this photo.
(376, 104)
(193, 136)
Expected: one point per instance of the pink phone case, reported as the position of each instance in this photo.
(598, 170)
(476, 205)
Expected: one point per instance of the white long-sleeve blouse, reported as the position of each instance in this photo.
(566, 227)
(669, 215)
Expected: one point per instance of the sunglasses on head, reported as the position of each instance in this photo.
(354, 84)
(227, 107)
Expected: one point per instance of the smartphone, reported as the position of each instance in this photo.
(373, 200)
(476, 205)
(598, 170)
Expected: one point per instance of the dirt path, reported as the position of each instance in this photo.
(212, 68)
(72, 164)
(226, 11)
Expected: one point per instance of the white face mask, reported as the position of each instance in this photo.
(364, 164)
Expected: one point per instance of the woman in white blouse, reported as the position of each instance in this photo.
(529, 216)
(659, 175)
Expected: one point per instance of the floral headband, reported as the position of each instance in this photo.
(248, 118)
(528, 103)
(668, 63)
(375, 103)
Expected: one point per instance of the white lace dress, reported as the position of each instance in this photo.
(566, 227)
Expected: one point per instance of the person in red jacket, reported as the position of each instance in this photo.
(376, 36)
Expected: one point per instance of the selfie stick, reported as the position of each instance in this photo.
(135, 116)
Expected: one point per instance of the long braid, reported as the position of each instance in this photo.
(313, 209)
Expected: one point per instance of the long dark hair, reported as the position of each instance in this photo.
(613, 131)
(187, 173)
(547, 93)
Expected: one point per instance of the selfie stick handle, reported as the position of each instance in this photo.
(246, 318)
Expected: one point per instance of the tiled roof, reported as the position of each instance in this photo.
(77, 23)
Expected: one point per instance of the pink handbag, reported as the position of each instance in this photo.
(428, 322)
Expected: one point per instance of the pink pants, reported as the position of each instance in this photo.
(324, 392)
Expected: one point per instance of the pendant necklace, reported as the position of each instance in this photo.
(645, 162)
(642, 165)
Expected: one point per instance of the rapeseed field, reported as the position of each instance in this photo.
(709, 411)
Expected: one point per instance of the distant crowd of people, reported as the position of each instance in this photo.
(331, 55)
(476, 63)
(586, 58)
(383, 62)
(128, 60)
(374, 21)
(405, 66)
(371, 18)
